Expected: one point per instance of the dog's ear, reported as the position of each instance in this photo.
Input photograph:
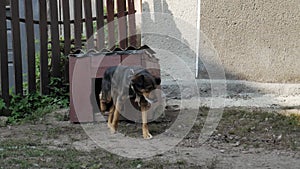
(137, 79)
(157, 80)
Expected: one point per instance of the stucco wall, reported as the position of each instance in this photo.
(257, 40)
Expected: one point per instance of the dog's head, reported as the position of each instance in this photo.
(143, 83)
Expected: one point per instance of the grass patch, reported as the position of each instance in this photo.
(22, 154)
(260, 129)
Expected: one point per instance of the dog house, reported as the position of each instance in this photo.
(87, 70)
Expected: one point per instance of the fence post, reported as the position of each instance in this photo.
(122, 28)
(67, 35)
(44, 74)
(16, 41)
(4, 54)
(100, 24)
(30, 46)
(78, 23)
(55, 43)
(89, 24)
(132, 24)
(110, 23)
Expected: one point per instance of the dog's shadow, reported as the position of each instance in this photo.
(158, 126)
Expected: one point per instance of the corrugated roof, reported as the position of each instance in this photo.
(119, 51)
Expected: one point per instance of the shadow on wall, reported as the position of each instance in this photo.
(160, 32)
(174, 42)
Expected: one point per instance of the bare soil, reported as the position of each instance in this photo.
(244, 138)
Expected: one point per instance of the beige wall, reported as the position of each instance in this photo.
(256, 40)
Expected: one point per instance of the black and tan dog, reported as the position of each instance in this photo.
(122, 82)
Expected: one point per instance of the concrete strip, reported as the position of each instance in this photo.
(237, 94)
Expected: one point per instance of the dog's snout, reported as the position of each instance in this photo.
(150, 97)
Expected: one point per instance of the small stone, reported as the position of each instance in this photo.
(3, 121)
(139, 166)
(237, 144)
(279, 137)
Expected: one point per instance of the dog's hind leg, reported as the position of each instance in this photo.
(114, 125)
(115, 118)
(145, 129)
(110, 116)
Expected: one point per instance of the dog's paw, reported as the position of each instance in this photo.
(147, 136)
(112, 128)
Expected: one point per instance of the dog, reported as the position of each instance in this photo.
(122, 82)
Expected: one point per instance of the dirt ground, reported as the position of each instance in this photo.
(244, 138)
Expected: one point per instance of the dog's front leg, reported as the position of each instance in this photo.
(145, 129)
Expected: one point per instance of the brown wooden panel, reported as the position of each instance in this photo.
(72, 113)
(44, 78)
(30, 46)
(111, 25)
(81, 107)
(67, 26)
(100, 24)
(101, 63)
(132, 24)
(3, 54)
(131, 60)
(122, 29)
(89, 24)
(78, 23)
(16, 42)
(55, 59)
(67, 35)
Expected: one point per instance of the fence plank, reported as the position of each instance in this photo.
(110, 25)
(122, 29)
(44, 78)
(55, 59)
(4, 54)
(100, 24)
(30, 46)
(78, 23)
(89, 24)
(67, 35)
(132, 24)
(16, 41)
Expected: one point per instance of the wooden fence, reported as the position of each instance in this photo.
(52, 45)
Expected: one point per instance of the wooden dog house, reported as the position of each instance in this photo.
(86, 68)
